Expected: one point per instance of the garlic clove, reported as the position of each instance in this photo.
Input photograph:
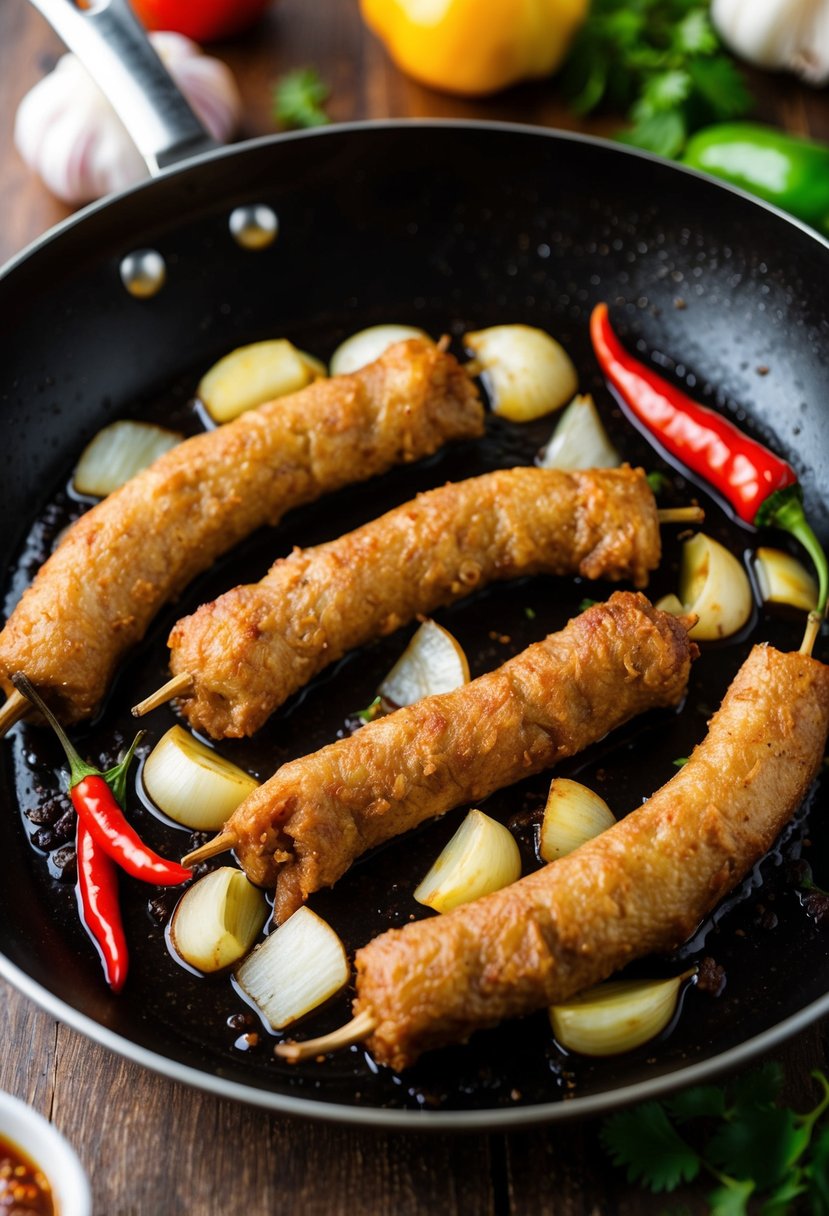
(67, 131)
(616, 1016)
(782, 579)
(785, 35)
(369, 344)
(217, 920)
(526, 372)
(432, 663)
(714, 586)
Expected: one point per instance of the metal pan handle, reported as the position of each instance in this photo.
(114, 49)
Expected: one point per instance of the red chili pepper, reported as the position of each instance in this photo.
(96, 797)
(761, 487)
(99, 906)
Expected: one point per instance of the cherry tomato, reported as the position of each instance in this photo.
(201, 20)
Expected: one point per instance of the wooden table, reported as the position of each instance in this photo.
(154, 1148)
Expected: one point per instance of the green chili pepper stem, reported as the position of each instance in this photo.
(78, 769)
(788, 515)
(116, 777)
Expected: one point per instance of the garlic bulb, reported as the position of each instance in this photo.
(787, 35)
(67, 131)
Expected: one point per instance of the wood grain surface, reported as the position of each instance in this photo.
(155, 1148)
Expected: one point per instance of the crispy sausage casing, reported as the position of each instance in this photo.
(138, 548)
(304, 827)
(254, 646)
(643, 886)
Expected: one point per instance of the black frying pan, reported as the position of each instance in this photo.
(448, 226)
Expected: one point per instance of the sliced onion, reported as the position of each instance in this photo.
(217, 920)
(573, 815)
(525, 371)
(616, 1016)
(193, 784)
(481, 857)
(580, 440)
(671, 604)
(369, 344)
(251, 375)
(300, 965)
(714, 585)
(433, 662)
(783, 580)
(316, 367)
(117, 453)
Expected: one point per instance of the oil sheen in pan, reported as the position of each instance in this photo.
(204, 1023)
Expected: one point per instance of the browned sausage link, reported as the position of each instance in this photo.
(254, 646)
(316, 815)
(643, 886)
(131, 553)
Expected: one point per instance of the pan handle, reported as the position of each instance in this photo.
(113, 47)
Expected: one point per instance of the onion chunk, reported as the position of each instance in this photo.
(117, 453)
(616, 1016)
(573, 815)
(580, 440)
(526, 372)
(714, 585)
(433, 662)
(480, 858)
(369, 344)
(192, 784)
(217, 920)
(251, 375)
(300, 965)
(782, 579)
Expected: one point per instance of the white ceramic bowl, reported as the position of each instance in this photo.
(46, 1147)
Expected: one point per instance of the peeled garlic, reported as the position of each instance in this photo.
(369, 344)
(616, 1016)
(783, 580)
(117, 453)
(787, 35)
(193, 784)
(579, 441)
(254, 374)
(67, 131)
(525, 371)
(481, 857)
(300, 965)
(714, 585)
(573, 815)
(217, 920)
(433, 662)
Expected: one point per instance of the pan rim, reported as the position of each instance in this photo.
(379, 124)
(491, 1119)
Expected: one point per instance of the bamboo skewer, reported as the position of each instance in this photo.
(15, 708)
(177, 686)
(813, 624)
(680, 515)
(359, 1028)
(222, 843)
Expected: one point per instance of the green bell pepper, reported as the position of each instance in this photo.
(784, 169)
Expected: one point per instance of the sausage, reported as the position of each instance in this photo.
(134, 551)
(250, 649)
(303, 828)
(641, 887)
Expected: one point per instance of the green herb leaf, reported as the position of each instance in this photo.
(370, 712)
(817, 1173)
(658, 61)
(658, 481)
(586, 603)
(757, 1143)
(760, 1087)
(680, 761)
(649, 1147)
(298, 99)
(731, 1199)
(702, 1101)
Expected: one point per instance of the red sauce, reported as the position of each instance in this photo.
(24, 1191)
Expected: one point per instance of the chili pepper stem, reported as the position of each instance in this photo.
(78, 768)
(789, 516)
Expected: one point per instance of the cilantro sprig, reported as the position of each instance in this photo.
(739, 1135)
(661, 63)
(298, 99)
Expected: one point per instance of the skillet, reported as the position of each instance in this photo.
(449, 226)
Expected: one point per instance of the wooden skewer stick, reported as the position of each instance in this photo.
(680, 515)
(355, 1031)
(813, 624)
(15, 707)
(219, 844)
(177, 686)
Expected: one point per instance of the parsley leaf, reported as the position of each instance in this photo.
(646, 1143)
(298, 99)
(730, 1199)
(660, 62)
(758, 1143)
